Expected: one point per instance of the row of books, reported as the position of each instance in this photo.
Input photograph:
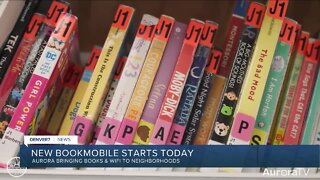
(162, 83)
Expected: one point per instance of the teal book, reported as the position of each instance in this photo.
(313, 117)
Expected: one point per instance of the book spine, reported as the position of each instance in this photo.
(177, 82)
(37, 86)
(289, 91)
(202, 96)
(191, 87)
(234, 30)
(21, 55)
(231, 94)
(109, 98)
(142, 89)
(79, 93)
(303, 94)
(102, 75)
(71, 80)
(51, 96)
(210, 110)
(274, 83)
(15, 37)
(160, 85)
(313, 117)
(121, 98)
(248, 104)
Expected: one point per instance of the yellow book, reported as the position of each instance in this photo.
(271, 94)
(71, 81)
(81, 89)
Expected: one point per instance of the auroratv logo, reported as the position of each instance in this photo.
(286, 172)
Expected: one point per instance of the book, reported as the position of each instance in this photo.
(37, 86)
(303, 93)
(160, 85)
(13, 40)
(99, 84)
(191, 87)
(177, 82)
(253, 86)
(210, 110)
(233, 33)
(285, 103)
(79, 93)
(207, 120)
(231, 94)
(127, 82)
(71, 80)
(48, 104)
(274, 83)
(139, 97)
(9, 13)
(313, 117)
(202, 97)
(40, 44)
(109, 98)
(10, 99)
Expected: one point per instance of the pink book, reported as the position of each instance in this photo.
(303, 94)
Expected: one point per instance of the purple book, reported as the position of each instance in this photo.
(159, 87)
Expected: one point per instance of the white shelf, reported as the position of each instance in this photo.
(133, 175)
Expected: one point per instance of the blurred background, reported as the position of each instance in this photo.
(95, 16)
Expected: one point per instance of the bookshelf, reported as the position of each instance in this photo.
(95, 17)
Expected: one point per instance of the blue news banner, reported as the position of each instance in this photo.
(169, 156)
